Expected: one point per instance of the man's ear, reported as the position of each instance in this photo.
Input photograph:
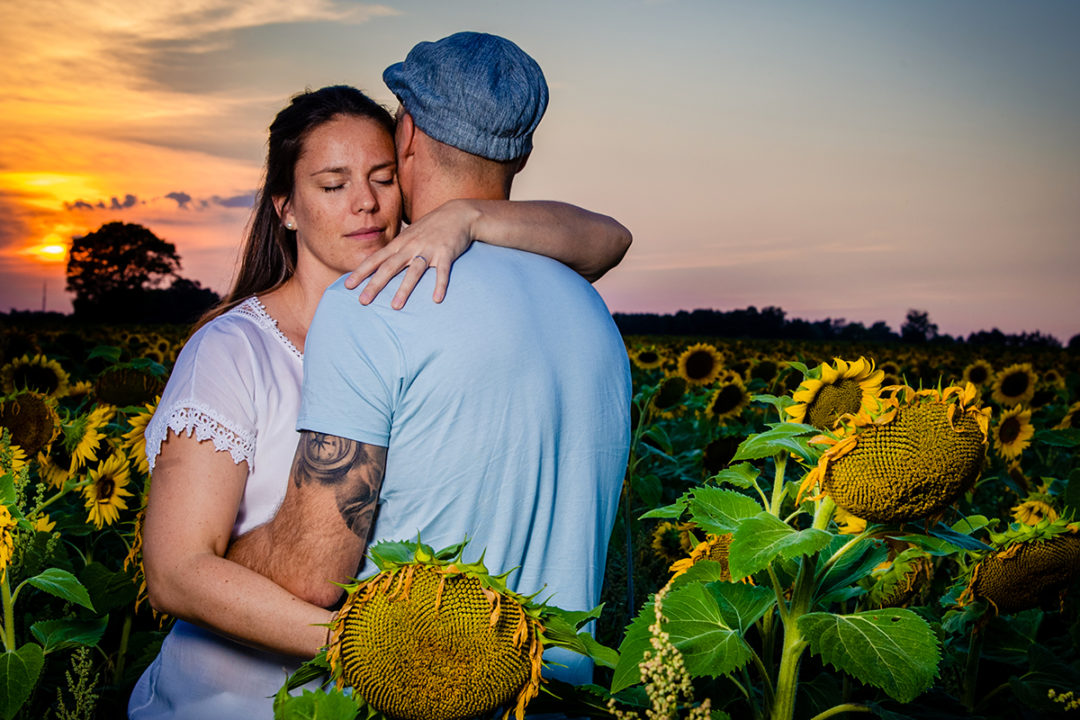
(405, 135)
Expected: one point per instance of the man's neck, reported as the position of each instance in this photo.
(435, 194)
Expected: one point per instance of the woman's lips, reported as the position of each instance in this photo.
(365, 233)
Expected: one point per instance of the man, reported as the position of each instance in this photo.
(500, 415)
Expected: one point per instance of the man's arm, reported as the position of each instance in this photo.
(320, 532)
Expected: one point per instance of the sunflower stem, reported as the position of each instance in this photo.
(971, 668)
(125, 635)
(780, 460)
(9, 613)
(842, 708)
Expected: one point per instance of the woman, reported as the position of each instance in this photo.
(331, 165)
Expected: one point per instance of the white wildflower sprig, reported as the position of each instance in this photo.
(664, 674)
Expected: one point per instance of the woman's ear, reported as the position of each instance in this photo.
(282, 206)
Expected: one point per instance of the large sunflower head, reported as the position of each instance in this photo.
(134, 440)
(32, 420)
(715, 548)
(910, 458)
(1034, 510)
(80, 439)
(647, 357)
(37, 373)
(700, 364)
(669, 393)
(434, 638)
(671, 541)
(1030, 567)
(837, 390)
(123, 386)
(107, 489)
(7, 539)
(1071, 419)
(979, 373)
(728, 400)
(1015, 385)
(1013, 432)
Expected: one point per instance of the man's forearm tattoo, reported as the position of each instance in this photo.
(353, 469)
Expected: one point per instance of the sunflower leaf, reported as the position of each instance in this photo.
(674, 510)
(62, 584)
(781, 437)
(720, 511)
(699, 623)
(892, 649)
(19, 670)
(760, 539)
(659, 437)
(743, 475)
(108, 352)
(7, 490)
(320, 705)
(1067, 438)
(778, 403)
(60, 634)
(856, 562)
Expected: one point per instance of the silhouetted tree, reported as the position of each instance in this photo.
(123, 272)
(917, 327)
(118, 257)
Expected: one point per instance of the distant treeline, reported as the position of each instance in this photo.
(772, 323)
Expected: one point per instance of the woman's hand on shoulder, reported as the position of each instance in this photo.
(436, 240)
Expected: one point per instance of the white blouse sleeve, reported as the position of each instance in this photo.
(211, 392)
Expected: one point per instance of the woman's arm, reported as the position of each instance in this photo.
(194, 496)
(589, 243)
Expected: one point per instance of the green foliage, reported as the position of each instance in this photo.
(62, 584)
(891, 649)
(19, 671)
(719, 511)
(317, 705)
(779, 438)
(760, 539)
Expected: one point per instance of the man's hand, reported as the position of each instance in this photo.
(320, 532)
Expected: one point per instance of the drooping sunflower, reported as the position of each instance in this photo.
(134, 440)
(1034, 510)
(910, 458)
(1071, 419)
(1015, 385)
(32, 419)
(106, 492)
(1013, 432)
(430, 637)
(715, 548)
(37, 373)
(764, 369)
(669, 393)
(845, 388)
(124, 386)
(979, 373)
(671, 541)
(1030, 567)
(700, 364)
(7, 539)
(728, 400)
(901, 579)
(647, 358)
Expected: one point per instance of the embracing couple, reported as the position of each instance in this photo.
(498, 413)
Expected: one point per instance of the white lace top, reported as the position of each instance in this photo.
(237, 383)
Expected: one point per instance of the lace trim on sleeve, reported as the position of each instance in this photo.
(204, 424)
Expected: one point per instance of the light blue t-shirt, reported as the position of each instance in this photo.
(505, 410)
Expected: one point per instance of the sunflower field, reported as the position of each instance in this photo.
(807, 530)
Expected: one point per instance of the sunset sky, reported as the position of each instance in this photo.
(837, 159)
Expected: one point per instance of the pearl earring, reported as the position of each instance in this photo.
(290, 225)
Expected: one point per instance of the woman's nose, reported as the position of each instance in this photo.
(365, 200)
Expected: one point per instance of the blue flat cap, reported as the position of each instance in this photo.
(477, 92)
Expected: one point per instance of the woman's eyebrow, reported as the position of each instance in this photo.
(334, 170)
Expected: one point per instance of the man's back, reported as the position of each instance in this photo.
(505, 410)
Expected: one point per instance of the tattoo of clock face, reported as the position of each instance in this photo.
(327, 458)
